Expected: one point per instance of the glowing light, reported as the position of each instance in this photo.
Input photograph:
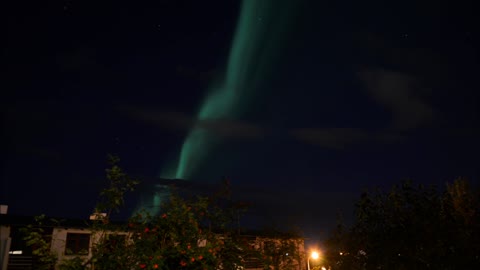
(315, 255)
(224, 97)
(254, 48)
(259, 36)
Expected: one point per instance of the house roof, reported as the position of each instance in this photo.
(51, 222)
(20, 221)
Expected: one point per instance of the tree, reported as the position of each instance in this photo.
(35, 237)
(196, 233)
(189, 233)
(281, 252)
(411, 227)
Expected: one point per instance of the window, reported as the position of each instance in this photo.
(77, 244)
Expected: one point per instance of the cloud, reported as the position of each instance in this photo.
(231, 128)
(427, 60)
(334, 138)
(329, 137)
(401, 94)
(340, 137)
(179, 121)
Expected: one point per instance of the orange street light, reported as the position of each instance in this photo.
(314, 255)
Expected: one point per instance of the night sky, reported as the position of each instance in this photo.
(300, 104)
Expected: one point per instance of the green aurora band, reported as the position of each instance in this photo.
(220, 103)
(252, 47)
(259, 34)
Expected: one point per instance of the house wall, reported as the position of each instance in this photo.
(5, 241)
(59, 241)
(300, 249)
(298, 259)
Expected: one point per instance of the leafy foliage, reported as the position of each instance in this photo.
(36, 238)
(282, 253)
(177, 238)
(112, 197)
(411, 227)
(195, 233)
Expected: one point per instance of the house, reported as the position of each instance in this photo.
(70, 238)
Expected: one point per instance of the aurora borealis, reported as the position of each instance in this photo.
(222, 99)
(253, 43)
(256, 39)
